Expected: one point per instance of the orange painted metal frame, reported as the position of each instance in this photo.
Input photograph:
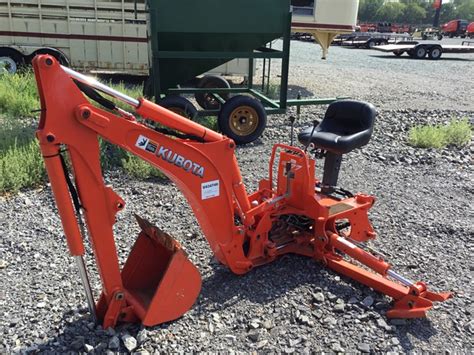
(69, 120)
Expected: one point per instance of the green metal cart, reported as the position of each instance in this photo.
(188, 38)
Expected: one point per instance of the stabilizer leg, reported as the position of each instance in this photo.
(412, 300)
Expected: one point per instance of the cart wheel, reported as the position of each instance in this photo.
(10, 60)
(148, 88)
(206, 100)
(420, 52)
(243, 119)
(179, 105)
(435, 53)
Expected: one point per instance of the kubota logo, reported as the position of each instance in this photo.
(169, 156)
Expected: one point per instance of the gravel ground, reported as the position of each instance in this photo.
(423, 217)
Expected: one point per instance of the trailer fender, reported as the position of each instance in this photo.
(56, 53)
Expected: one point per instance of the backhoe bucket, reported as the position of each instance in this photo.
(161, 283)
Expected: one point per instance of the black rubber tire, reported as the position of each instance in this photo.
(206, 100)
(179, 105)
(228, 114)
(371, 44)
(148, 88)
(398, 53)
(440, 37)
(17, 59)
(424, 37)
(419, 52)
(435, 53)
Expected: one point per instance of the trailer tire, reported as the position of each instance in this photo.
(398, 53)
(11, 60)
(419, 52)
(371, 44)
(207, 100)
(242, 119)
(179, 105)
(440, 37)
(435, 53)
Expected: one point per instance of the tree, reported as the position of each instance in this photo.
(414, 13)
(391, 12)
(368, 9)
(448, 13)
(465, 9)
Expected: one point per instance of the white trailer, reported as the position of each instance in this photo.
(88, 35)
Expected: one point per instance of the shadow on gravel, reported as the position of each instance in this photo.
(408, 58)
(266, 284)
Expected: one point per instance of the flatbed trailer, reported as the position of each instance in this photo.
(371, 39)
(427, 50)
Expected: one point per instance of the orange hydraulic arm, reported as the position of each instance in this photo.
(158, 283)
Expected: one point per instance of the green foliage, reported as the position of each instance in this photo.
(368, 9)
(414, 11)
(391, 11)
(139, 168)
(18, 94)
(457, 133)
(21, 164)
(208, 121)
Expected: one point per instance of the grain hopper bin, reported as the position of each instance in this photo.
(187, 38)
(324, 19)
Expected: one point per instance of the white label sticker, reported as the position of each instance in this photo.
(141, 142)
(210, 189)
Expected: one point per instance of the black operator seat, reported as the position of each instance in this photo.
(347, 125)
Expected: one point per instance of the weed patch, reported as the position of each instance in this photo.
(456, 133)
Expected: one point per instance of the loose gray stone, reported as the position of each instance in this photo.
(114, 343)
(364, 347)
(368, 301)
(88, 348)
(129, 342)
(318, 297)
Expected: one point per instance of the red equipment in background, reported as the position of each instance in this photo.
(294, 213)
(455, 28)
(470, 30)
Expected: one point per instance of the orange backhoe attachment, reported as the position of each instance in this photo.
(293, 212)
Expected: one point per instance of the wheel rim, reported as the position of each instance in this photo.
(8, 64)
(244, 120)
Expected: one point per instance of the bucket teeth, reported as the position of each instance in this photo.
(157, 235)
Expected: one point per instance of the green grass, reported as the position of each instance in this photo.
(18, 94)
(456, 133)
(21, 164)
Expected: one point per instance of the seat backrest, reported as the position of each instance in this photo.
(350, 116)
